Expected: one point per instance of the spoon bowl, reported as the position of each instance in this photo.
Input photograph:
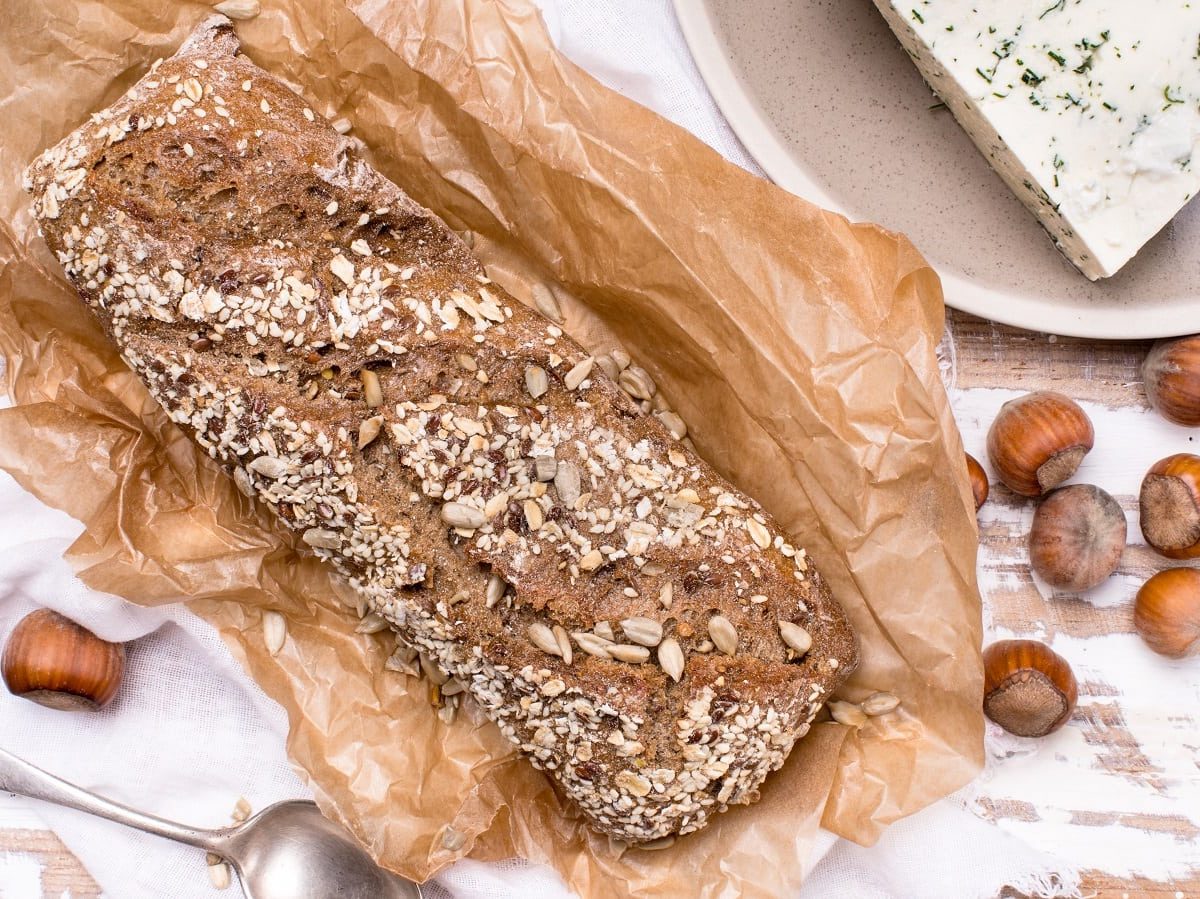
(290, 850)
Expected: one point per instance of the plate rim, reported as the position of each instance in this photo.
(762, 142)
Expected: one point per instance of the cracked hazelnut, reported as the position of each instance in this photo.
(55, 662)
(1166, 612)
(1170, 506)
(1028, 688)
(1037, 441)
(979, 481)
(1171, 375)
(1077, 537)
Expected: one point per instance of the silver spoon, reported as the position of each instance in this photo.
(289, 850)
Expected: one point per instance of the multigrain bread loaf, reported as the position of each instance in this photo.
(638, 627)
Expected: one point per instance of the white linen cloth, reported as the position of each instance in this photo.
(190, 732)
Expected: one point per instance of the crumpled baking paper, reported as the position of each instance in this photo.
(798, 347)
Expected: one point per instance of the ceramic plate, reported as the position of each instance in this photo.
(827, 102)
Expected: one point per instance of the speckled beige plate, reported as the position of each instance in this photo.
(822, 95)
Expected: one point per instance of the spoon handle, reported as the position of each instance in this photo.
(18, 776)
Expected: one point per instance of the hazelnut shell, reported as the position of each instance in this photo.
(979, 481)
(1170, 506)
(1077, 538)
(1166, 612)
(55, 662)
(1171, 375)
(1028, 688)
(1037, 441)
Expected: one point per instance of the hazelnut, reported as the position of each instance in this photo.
(1171, 375)
(1166, 612)
(1037, 441)
(978, 479)
(1028, 688)
(1170, 506)
(1077, 537)
(55, 662)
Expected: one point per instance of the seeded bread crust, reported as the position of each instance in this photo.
(495, 497)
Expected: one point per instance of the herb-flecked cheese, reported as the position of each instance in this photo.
(1088, 109)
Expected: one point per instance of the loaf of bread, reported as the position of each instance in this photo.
(641, 630)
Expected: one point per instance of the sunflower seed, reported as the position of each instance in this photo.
(193, 90)
(604, 631)
(460, 515)
(453, 840)
(847, 713)
(50, 203)
(369, 430)
(545, 302)
(564, 644)
(758, 533)
(343, 269)
(467, 362)
(341, 126)
(274, 631)
(705, 646)
(433, 671)
(268, 466)
(372, 391)
(244, 485)
(468, 237)
(636, 382)
(537, 382)
(496, 586)
(796, 637)
(673, 423)
(241, 810)
(607, 365)
(579, 372)
(591, 561)
(372, 623)
(449, 710)
(568, 483)
(533, 515)
(626, 652)
(403, 660)
(643, 631)
(621, 358)
(880, 704)
(724, 634)
(239, 9)
(218, 876)
(452, 688)
(633, 782)
(591, 644)
(319, 538)
(544, 468)
(670, 658)
(543, 638)
(666, 594)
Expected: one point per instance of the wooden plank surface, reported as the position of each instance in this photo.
(62, 874)
(987, 356)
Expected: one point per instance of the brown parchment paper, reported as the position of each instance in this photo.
(798, 347)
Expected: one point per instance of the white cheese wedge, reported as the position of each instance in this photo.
(1088, 109)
